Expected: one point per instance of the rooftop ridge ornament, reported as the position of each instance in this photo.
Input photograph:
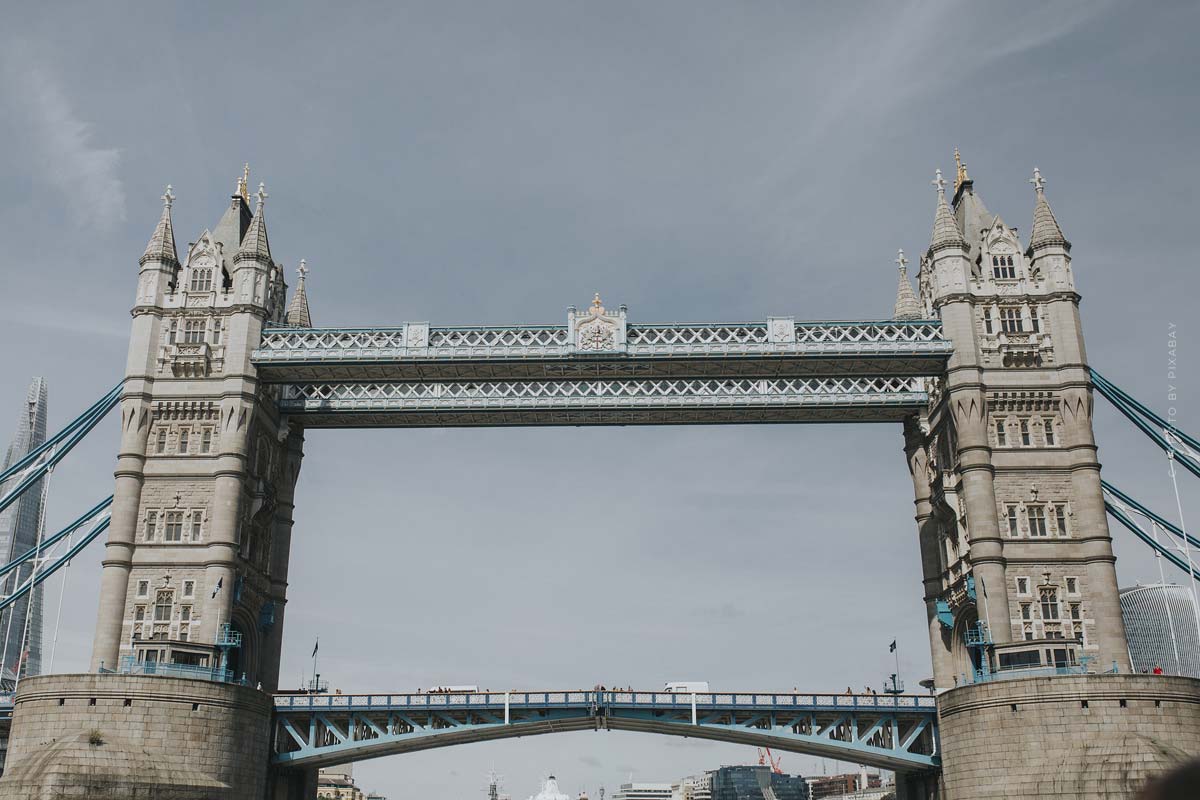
(262, 196)
(961, 171)
(302, 270)
(243, 183)
(938, 181)
(902, 261)
(1039, 183)
(597, 309)
(168, 198)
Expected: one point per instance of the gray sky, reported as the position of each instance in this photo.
(489, 163)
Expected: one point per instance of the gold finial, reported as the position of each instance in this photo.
(597, 307)
(961, 177)
(243, 186)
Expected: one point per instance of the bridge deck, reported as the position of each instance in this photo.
(893, 732)
(417, 352)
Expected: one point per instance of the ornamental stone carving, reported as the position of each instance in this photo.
(596, 330)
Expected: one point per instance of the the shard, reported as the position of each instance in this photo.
(20, 523)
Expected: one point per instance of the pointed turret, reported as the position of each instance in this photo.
(297, 313)
(1045, 231)
(161, 247)
(907, 305)
(254, 244)
(946, 232)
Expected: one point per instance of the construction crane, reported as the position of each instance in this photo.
(765, 758)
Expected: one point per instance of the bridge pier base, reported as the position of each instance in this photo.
(121, 737)
(1070, 738)
(293, 784)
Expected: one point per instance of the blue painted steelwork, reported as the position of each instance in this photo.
(1138, 414)
(891, 732)
(64, 441)
(944, 614)
(56, 538)
(1119, 514)
(45, 572)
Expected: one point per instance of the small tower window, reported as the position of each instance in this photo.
(1049, 600)
(160, 444)
(216, 336)
(197, 520)
(151, 525)
(163, 605)
(173, 532)
(184, 433)
(1048, 428)
(987, 319)
(1060, 519)
(172, 331)
(206, 440)
(1025, 440)
(1014, 530)
(201, 280)
(1003, 269)
(1010, 320)
(1037, 521)
(1001, 434)
(1035, 323)
(193, 331)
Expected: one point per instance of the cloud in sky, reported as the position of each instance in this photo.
(84, 173)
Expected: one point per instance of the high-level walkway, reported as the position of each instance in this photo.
(887, 731)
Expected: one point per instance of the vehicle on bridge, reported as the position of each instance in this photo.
(686, 687)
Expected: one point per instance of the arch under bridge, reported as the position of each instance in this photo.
(897, 732)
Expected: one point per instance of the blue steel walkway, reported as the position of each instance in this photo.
(891, 732)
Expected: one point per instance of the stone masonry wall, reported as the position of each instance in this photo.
(120, 737)
(1093, 736)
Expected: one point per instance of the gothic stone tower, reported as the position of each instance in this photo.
(1013, 530)
(202, 515)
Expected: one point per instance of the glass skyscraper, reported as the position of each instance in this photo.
(756, 783)
(1160, 624)
(19, 527)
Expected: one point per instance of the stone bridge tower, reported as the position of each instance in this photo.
(197, 553)
(1013, 530)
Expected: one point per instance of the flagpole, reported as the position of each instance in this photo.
(896, 653)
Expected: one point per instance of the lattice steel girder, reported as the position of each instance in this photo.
(417, 352)
(602, 402)
(887, 732)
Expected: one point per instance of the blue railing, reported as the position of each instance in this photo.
(130, 666)
(679, 700)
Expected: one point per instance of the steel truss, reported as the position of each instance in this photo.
(417, 351)
(575, 402)
(890, 732)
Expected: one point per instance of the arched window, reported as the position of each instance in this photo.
(201, 280)
(1003, 269)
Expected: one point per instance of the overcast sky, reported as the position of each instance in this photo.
(492, 163)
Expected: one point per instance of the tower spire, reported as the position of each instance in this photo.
(945, 229)
(960, 168)
(161, 247)
(254, 244)
(297, 313)
(1045, 231)
(907, 306)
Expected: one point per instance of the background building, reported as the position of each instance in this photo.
(693, 787)
(643, 791)
(19, 525)
(1160, 624)
(337, 783)
(753, 783)
(830, 786)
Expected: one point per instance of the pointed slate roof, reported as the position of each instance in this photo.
(254, 243)
(1045, 231)
(161, 247)
(946, 232)
(907, 305)
(297, 313)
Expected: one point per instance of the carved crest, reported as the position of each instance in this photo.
(596, 330)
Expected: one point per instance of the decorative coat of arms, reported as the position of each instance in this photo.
(595, 330)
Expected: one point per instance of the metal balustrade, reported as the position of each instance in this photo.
(889, 731)
(411, 341)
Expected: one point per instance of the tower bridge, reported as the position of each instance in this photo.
(983, 366)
